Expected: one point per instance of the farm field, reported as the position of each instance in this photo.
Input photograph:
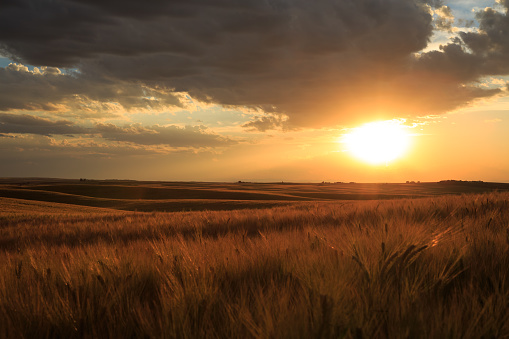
(187, 196)
(226, 260)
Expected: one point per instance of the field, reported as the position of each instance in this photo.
(125, 259)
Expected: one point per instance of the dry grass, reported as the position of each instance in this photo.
(420, 268)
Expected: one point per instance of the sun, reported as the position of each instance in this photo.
(378, 142)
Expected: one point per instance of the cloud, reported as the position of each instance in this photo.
(265, 123)
(48, 89)
(475, 54)
(34, 146)
(174, 136)
(13, 123)
(189, 136)
(318, 62)
(491, 43)
(445, 18)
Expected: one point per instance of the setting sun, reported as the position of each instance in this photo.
(378, 142)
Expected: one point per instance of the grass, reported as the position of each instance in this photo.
(431, 267)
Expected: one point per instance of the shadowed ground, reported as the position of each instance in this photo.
(187, 196)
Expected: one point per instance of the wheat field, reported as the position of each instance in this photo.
(434, 267)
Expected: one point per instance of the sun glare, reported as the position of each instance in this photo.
(378, 142)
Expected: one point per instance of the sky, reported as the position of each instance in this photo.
(252, 90)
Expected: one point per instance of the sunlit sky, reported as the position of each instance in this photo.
(253, 90)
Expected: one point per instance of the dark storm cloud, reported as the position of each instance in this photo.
(319, 62)
(13, 123)
(189, 136)
(491, 43)
(475, 54)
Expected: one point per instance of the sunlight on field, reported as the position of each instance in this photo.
(433, 267)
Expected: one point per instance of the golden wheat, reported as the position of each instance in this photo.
(421, 268)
